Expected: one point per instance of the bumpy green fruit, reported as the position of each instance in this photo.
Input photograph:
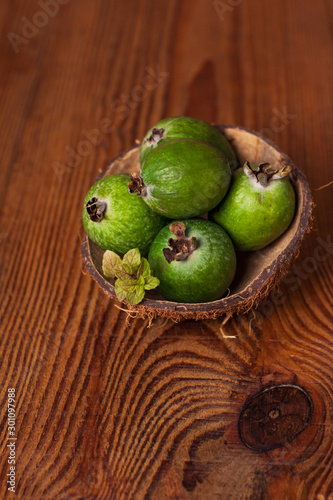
(184, 127)
(194, 267)
(258, 208)
(115, 220)
(183, 178)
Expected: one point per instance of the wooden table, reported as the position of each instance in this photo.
(110, 410)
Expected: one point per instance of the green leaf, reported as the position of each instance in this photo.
(127, 268)
(144, 269)
(151, 282)
(140, 281)
(111, 262)
(131, 260)
(134, 275)
(132, 293)
(127, 279)
(122, 272)
(136, 296)
(121, 289)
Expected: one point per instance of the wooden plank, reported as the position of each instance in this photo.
(110, 409)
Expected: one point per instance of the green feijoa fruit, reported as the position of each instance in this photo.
(115, 220)
(258, 208)
(183, 178)
(194, 260)
(184, 127)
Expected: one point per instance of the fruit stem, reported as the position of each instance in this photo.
(155, 136)
(182, 247)
(96, 209)
(136, 185)
(265, 173)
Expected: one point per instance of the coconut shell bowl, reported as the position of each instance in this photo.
(257, 272)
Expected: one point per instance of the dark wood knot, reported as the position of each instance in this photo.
(274, 416)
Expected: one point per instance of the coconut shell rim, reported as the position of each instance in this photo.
(256, 291)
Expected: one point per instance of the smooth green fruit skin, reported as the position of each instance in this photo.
(184, 127)
(185, 178)
(254, 216)
(206, 274)
(128, 222)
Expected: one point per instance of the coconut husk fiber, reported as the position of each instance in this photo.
(257, 273)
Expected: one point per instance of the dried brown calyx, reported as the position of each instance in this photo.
(264, 173)
(96, 209)
(136, 185)
(181, 247)
(156, 135)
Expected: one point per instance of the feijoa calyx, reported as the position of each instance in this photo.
(116, 220)
(194, 260)
(184, 127)
(258, 208)
(182, 178)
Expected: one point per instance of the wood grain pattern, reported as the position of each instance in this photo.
(110, 410)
